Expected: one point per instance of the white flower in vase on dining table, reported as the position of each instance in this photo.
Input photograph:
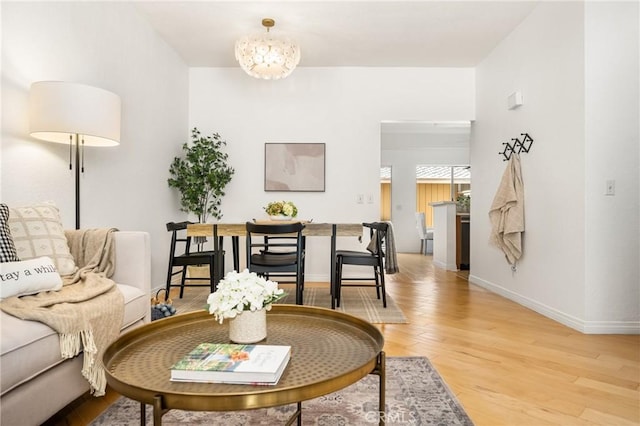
(281, 208)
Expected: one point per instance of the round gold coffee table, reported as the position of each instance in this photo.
(329, 351)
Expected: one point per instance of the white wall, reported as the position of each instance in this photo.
(545, 58)
(612, 140)
(341, 107)
(106, 45)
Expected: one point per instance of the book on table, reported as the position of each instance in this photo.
(232, 363)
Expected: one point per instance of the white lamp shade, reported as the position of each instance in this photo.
(58, 109)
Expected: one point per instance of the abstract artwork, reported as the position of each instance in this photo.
(298, 167)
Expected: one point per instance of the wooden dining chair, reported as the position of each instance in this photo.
(280, 254)
(181, 256)
(374, 257)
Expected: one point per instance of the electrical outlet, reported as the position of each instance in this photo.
(360, 199)
(611, 187)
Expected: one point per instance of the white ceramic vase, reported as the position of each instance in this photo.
(248, 327)
(280, 217)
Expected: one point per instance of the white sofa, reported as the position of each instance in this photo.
(35, 382)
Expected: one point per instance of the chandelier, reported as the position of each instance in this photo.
(265, 56)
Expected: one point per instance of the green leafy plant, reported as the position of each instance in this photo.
(201, 175)
(464, 202)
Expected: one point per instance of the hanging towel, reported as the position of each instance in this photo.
(390, 255)
(507, 212)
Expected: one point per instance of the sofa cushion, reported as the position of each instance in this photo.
(28, 348)
(28, 277)
(136, 305)
(7, 247)
(37, 231)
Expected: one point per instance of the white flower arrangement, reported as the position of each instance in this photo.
(285, 208)
(242, 291)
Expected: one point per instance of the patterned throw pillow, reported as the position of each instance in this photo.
(7, 247)
(37, 231)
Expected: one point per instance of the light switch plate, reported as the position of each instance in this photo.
(514, 100)
(611, 187)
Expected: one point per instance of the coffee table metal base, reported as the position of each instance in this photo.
(379, 370)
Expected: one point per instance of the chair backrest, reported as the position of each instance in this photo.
(274, 229)
(176, 237)
(378, 233)
(289, 237)
(421, 225)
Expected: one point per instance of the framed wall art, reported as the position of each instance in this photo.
(296, 167)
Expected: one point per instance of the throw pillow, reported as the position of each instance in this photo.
(28, 277)
(7, 247)
(37, 231)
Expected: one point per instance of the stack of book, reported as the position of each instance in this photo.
(231, 363)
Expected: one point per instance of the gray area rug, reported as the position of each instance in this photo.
(359, 302)
(416, 395)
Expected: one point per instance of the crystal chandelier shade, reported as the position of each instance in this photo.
(267, 57)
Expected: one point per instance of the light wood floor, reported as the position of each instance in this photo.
(507, 364)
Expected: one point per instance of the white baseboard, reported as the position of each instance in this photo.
(444, 265)
(587, 327)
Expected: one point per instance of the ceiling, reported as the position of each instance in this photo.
(341, 33)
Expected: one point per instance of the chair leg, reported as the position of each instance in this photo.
(216, 274)
(377, 280)
(338, 281)
(212, 279)
(299, 286)
(183, 278)
(384, 290)
(168, 287)
(302, 281)
(334, 282)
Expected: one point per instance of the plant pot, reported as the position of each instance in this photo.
(248, 327)
(198, 271)
(280, 217)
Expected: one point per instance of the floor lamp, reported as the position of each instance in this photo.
(75, 114)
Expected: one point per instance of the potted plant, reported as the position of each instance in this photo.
(463, 202)
(201, 175)
(281, 210)
(244, 297)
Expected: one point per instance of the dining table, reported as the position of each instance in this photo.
(236, 230)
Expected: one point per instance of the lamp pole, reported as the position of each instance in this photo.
(77, 173)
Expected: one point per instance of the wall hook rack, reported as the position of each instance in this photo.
(516, 146)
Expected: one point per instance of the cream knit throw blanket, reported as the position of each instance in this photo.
(87, 312)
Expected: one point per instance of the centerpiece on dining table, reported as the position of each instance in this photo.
(281, 210)
(244, 298)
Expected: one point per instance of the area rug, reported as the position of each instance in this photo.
(415, 394)
(359, 302)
